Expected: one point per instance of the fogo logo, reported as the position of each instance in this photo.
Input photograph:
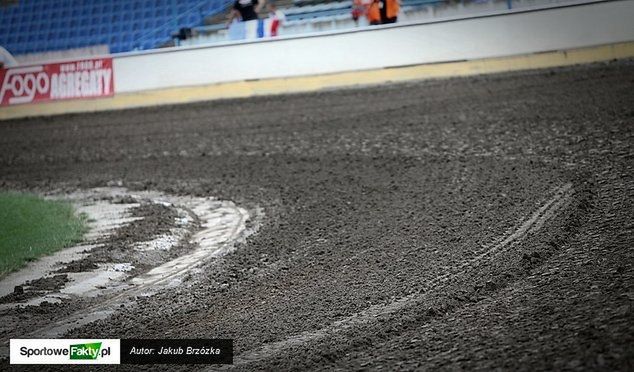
(24, 83)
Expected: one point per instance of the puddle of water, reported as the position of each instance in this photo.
(103, 219)
(222, 224)
(92, 283)
(44, 265)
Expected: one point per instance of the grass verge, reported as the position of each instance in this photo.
(31, 227)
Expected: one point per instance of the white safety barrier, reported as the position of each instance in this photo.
(456, 39)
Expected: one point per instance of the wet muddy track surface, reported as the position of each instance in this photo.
(372, 196)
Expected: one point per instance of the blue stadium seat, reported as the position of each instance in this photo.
(38, 25)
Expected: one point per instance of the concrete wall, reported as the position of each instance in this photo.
(455, 39)
(55, 55)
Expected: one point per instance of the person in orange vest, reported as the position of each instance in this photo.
(374, 12)
(389, 11)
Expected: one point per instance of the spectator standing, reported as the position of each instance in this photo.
(245, 10)
(358, 10)
(374, 12)
(276, 16)
(389, 11)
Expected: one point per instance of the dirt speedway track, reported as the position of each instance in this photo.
(473, 223)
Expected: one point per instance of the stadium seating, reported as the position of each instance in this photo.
(124, 25)
(45, 25)
(318, 10)
(338, 8)
(307, 16)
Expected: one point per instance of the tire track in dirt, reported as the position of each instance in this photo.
(529, 225)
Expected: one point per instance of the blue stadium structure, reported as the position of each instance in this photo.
(45, 25)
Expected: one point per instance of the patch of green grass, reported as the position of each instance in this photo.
(31, 227)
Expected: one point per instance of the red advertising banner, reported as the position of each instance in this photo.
(88, 78)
